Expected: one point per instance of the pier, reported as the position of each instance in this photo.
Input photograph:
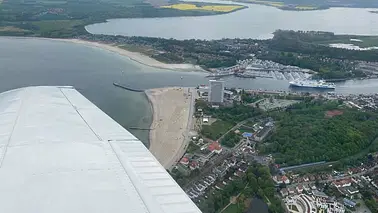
(138, 128)
(127, 88)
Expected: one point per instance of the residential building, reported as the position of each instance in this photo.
(306, 188)
(260, 136)
(216, 91)
(193, 165)
(291, 190)
(312, 186)
(228, 95)
(343, 183)
(299, 189)
(284, 192)
(351, 190)
(215, 147)
(184, 161)
(281, 179)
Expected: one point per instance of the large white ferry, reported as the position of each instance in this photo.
(312, 84)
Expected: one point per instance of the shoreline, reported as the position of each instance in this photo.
(133, 56)
(169, 126)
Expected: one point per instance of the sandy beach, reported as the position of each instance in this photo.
(135, 56)
(170, 125)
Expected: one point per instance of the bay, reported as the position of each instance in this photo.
(257, 21)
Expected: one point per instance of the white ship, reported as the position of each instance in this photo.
(312, 84)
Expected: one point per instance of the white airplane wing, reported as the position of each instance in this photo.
(59, 153)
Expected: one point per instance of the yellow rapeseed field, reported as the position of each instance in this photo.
(305, 7)
(271, 3)
(217, 8)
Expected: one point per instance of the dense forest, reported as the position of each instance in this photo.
(304, 42)
(306, 50)
(304, 134)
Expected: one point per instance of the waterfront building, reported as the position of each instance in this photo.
(216, 91)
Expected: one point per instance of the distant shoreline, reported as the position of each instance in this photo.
(134, 56)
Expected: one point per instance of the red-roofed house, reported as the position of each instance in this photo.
(193, 165)
(281, 179)
(333, 113)
(215, 147)
(184, 161)
(285, 180)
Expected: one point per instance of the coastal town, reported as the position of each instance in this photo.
(189, 106)
(213, 153)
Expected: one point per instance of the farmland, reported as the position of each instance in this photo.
(215, 7)
(282, 5)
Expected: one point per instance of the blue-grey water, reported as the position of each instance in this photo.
(257, 206)
(26, 62)
(257, 21)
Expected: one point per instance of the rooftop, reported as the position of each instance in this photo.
(214, 146)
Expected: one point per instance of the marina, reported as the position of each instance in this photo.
(256, 68)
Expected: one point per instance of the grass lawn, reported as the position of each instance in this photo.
(54, 25)
(244, 129)
(231, 209)
(216, 129)
(269, 3)
(192, 148)
(138, 48)
(11, 29)
(361, 41)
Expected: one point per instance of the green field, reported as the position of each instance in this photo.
(366, 41)
(216, 129)
(137, 48)
(233, 208)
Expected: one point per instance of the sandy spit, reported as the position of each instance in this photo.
(168, 132)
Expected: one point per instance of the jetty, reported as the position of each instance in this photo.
(139, 128)
(127, 88)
